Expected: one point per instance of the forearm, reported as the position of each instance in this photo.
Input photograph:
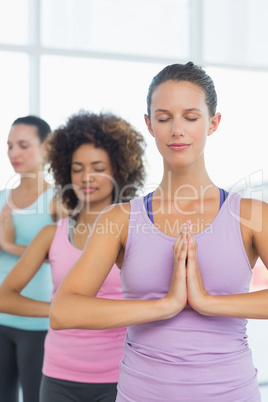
(83, 312)
(15, 303)
(247, 305)
(14, 249)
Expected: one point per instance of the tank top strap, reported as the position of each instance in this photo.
(148, 205)
(63, 226)
(42, 203)
(223, 195)
(60, 240)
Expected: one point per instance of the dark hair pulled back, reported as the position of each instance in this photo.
(185, 72)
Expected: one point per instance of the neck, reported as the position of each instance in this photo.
(91, 211)
(33, 182)
(186, 182)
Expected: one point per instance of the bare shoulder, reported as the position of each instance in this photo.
(253, 214)
(57, 209)
(47, 232)
(114, 220)
(117, 211)
(254, 228)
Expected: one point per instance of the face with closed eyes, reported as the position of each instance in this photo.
(25, 150)
(180, 122)
(92, 176)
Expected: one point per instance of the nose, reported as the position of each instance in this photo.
(177, 128)
(13, 152)
(87, 177)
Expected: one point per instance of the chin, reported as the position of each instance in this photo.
(84, 198)
(19, 170)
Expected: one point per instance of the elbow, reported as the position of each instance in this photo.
(55, 318)
(4, 301)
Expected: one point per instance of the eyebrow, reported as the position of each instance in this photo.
(193, 109)
(20, 142)
(92, 163)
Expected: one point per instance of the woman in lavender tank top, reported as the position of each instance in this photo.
(186, 254)
(84, 155)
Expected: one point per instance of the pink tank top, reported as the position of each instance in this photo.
(81, 355)
(189, 357)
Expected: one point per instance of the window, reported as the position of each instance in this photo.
(14, 102)
(118, 26)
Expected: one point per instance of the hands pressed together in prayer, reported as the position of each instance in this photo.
(186, 284)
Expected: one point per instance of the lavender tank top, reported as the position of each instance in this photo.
(189, 357)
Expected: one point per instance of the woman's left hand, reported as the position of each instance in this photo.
(196, 292)
(7, 230)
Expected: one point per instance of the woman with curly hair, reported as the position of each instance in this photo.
(96, 160)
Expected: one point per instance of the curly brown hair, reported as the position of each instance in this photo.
(123, 143)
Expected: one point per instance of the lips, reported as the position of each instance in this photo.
(178, 147)
(88, 190)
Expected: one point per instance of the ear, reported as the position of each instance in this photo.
(148, 124)
(215, 121)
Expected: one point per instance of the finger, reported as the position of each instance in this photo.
(182, 236)
(192, 260)
(190, 250)
(184, 251)
(182, 256)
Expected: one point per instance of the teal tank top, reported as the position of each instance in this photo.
(28, 222)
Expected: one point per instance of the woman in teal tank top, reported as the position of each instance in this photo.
(24, 211)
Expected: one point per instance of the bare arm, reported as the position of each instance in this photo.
(75, 304)
(7, 233)
(7, 230)
(11, 301)
(57, 209)
(247, 305)
(13, 248)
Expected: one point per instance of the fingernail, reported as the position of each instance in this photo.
(184, 228)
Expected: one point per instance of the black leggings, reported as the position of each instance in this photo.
(21, 359)
(55, 390)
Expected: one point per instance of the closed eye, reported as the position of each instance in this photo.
(193, 119)
(163, 120)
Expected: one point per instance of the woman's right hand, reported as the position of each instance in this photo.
(177, 294)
